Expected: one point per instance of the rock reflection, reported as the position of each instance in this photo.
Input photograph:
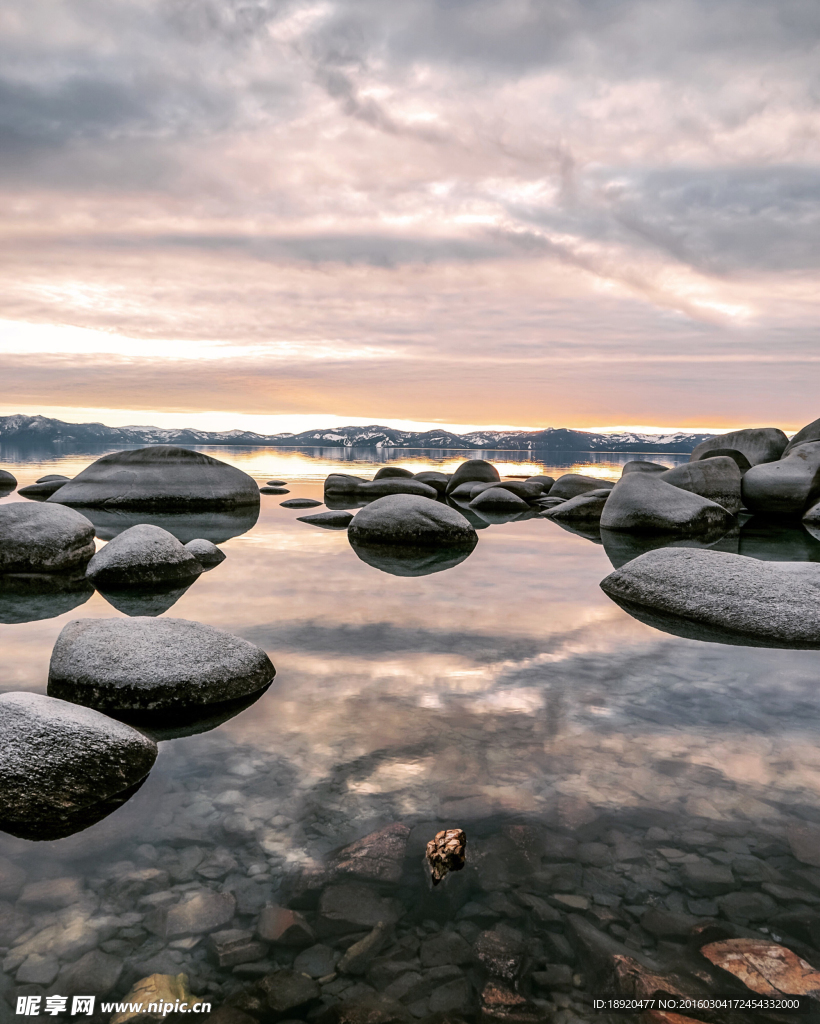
(403, 560)
(32, 598)
(622, 547)
(778, 540)
(216, 526)
(173, 724)
(143, 601)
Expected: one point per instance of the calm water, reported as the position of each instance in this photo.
(506, 691)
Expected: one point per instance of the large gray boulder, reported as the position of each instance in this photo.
(647, 503)
(811, 432)
(143, 556)
(146, 664)
(757, 444)
(397, 472)
(717, 479)
(372, 489)
(43, 538)
(643, 466)
(159, 477)
(787, 487)
(498, 499)
(728, 597)
(59, 762)
(476, 470)
(582, 509)
(8, 481)
(571, 484)
(413, 520)
(434, 479)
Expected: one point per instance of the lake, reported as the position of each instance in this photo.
(600, 768)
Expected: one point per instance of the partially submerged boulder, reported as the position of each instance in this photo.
(717, 479)
(475, 470)
(44, 487)
(147, 664)
(757, 444)
(787, 487)
(8, 481)
(143, 556)
(207, 554)
(526, 489)
(434, 479)
(413, 520)
(335, 519)
(393, 471)
(498, 499)
(43, 538)
(571, 484)
(162, 477)
(729, 598)
(643, 466)
(372, 489)
(645, 502)
(58, 760)
(583, 508)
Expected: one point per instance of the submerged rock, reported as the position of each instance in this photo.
(300, 503)
(58, 760)
(757, 444)
(571, 484)
(332, 520)
(717, 478)
(207, 554)
(475, 470)
(43, 538)
(162, 476)
(412, 520)
(646, 502)
(583, 508)
(32, 598)
(144, 664)
(377, 857)
(140, 557)
(741, 600)
(787, 487)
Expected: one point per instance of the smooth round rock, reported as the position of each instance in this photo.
(411, 519)
(393, 471)
(811, 432)
(546, 481)
(277, 483)
(571, 484)
(523, 488)
(57, 758)
(8, 481)
(434, 479)
(740, 600)
(646, 502)
(498, 499)
(476, 470)
(144, 664)
(788, 487)
(269, 489)
(51, 476)
(718, 479)
(332, 520)
(163, 477)
(643, 466)
(757, 444)
(583, 508)
(207, 554)
(343, 483)
(736, 456)
(300, 503)
(43, 488)
(140, 557)
(43, 538)
(373, 489)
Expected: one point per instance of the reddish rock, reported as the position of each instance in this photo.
(285, 927)
(446, 852)
(502, 1004)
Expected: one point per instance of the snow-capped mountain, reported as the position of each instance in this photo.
(43, 431)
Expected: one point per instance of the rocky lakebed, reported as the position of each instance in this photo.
(436, 738)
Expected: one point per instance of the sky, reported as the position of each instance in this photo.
(518, 213)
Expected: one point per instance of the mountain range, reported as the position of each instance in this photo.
(41, 430)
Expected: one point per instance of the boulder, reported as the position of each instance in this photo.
(545, 481)
(717, 479)
(757, 444)
(207, 554)
(158, 991)
(525, 489)
(57, 760)
(343, 483)
(372, 489)
(732, 598)
(146, 664)
(406, 560)
(393, 471)
(8, 481)
(811, 432)
(143, 556)
(583, 508)
(413, 520)
(476, 470)
(217, 525)
(645, 502)
(277, 483)
(300, 503)
(737, 457)
(163, 477)
(43, 538)
(332, 520)
(571, 484)
(498, 499)
(434, 479)
(643, 466)
(271, 489)
(787, 487)
(378, 857)
(44, 488)
(32, 598)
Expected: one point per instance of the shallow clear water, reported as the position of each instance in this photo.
(507, 691)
